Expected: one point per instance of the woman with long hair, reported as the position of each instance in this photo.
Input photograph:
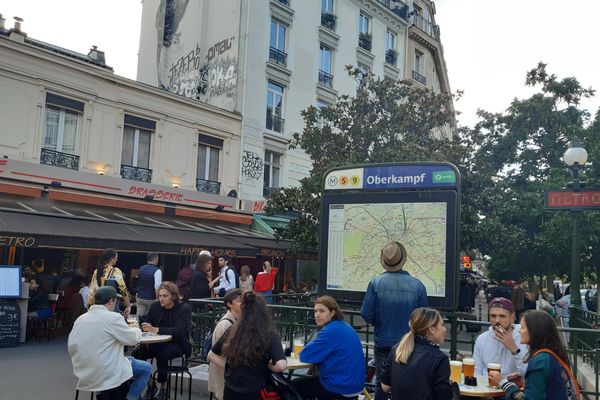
(548, 373)
(337, 352)
(106, 274)
(248, 351)
(201, 283)
(246, 280)
(416, 368)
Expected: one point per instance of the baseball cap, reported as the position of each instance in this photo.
(104, 294)
(501, 302)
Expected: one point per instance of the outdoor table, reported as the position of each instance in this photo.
(294, 363)
(480, 390)
(152, 338)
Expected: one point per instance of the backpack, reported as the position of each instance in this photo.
(236, 277)
(207, 345)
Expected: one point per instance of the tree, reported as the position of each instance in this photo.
(386, 121)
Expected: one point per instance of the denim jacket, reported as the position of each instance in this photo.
(390, 299)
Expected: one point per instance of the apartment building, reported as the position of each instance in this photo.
(269, 59)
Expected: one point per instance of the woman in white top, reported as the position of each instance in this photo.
(246, 280)
(85, 290)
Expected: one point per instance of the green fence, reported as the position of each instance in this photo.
(293, 318)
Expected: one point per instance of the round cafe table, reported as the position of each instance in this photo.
(152, 338)
(480, 391)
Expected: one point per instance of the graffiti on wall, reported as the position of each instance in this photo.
(252, 165)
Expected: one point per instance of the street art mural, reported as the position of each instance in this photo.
(197, 58)
(252, 165)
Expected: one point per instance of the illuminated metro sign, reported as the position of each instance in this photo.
(564, 199)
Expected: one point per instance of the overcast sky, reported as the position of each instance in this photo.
(488, 44)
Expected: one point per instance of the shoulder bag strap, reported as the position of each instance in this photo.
(564, 365)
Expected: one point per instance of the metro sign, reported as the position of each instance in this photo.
(564, 199)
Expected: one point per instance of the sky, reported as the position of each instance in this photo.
(489, 45)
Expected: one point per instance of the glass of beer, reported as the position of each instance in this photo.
(468, 367)
(493, 367)
(517, 379)
(455, 371)
(298, 346)
(132, 321)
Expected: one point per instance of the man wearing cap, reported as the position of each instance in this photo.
(501, 344)
(96, 346)
(390, 299)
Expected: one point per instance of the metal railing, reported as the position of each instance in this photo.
(285, 2)
(425, 25)
(59, 159)
(328, 20)
(268, 191)
(364, 41)
(136, 173)
(390, 57)
(293, 317)
(206, 186)
(278, 56)
(419, 78)
(325, 79)
(397, 7)
(274, 123)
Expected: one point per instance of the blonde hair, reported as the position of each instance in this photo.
(421, 320)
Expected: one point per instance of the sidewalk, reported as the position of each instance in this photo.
(43, 370)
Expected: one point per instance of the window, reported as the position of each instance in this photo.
(363, 24)
(62, 123)
(274, 107)
(209, 151)
(137, 135)
(277, 43)
(418, 61)
(320, 105)
(325, 56)
(327, 6)
(272, 169)
(390, 40)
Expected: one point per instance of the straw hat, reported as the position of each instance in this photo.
(393, 256)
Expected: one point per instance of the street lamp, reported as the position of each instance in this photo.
(575, 157)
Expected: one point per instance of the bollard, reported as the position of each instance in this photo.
(453, 337)
(480, 312)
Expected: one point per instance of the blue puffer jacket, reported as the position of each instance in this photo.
(390, 299)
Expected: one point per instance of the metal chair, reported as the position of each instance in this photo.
(177, 370)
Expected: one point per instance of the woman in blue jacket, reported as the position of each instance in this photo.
(338, 354)
(548, 375)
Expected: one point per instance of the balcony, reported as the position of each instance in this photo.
(59, 159)
(136, 173)
(426, 26)
(277, 56)
(419, 78)
(206, 186)
(325, 79)
(364, 41)
(328, 20)
(285, 2)
(269, 191)
(274, 123)
(397, 7)
(390, 57)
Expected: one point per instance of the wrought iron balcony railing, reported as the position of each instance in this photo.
(426, 26)
(286, 2)
(277, 56)
(274, 123)
(390, 57)
(419, 78)
(136, 173)
(325, 79)
(397, 7)
(207, 186)
(269, 191)
(59, 159)
(328, 20)
(364, 41)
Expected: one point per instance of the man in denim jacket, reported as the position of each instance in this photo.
(390, 299)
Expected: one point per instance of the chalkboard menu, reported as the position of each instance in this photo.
(10, 323)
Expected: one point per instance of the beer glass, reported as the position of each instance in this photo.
(517, 379)
(298, 346)
(468, 367)
(493, 367)
(132, 321)
(455, 371)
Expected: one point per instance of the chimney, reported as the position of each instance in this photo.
(2, 21)
(97, 55)
(15, 33)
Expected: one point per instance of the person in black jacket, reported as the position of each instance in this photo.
(167, 316)
(416, 368)
(201, 283)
